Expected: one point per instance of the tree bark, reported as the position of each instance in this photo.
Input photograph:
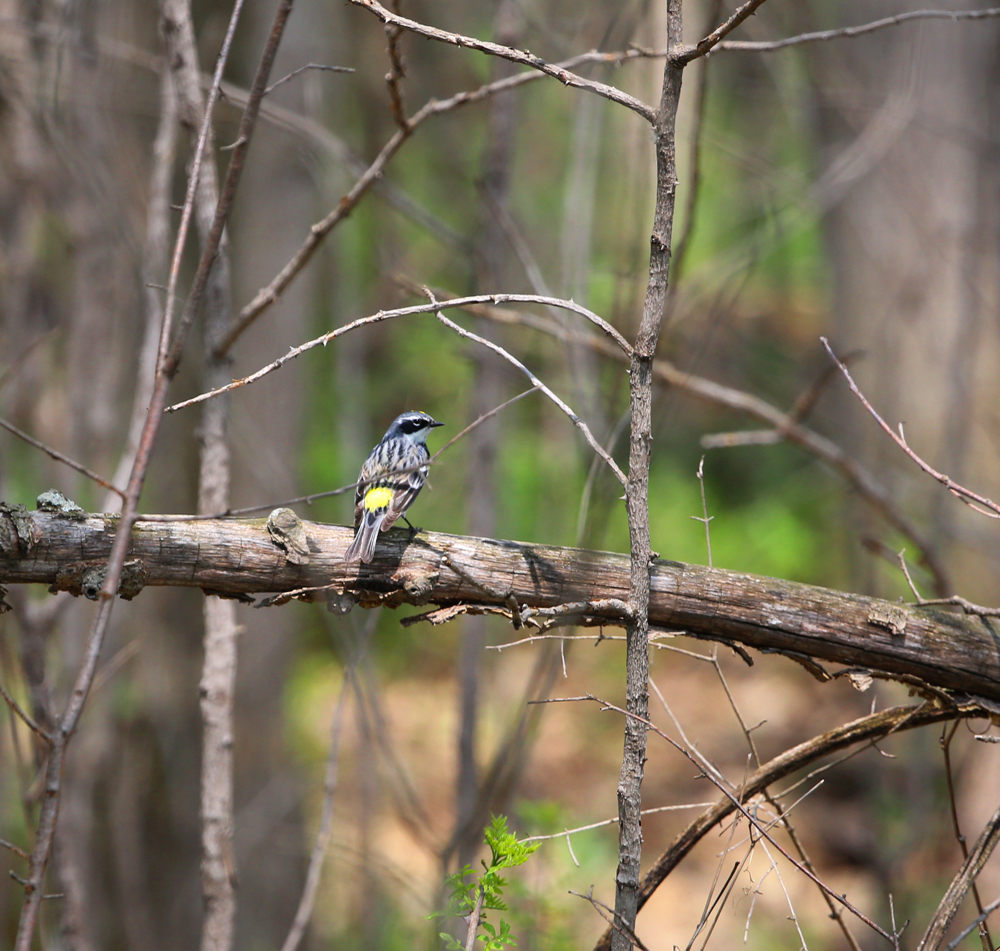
(236, 556)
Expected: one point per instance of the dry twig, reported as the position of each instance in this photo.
(957, 600)
(864, 730)
(695, 757)
(978, 503)
(845, 32)
(513, 55)
(59, 457)
(786, 426)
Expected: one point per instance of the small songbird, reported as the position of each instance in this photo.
(391, 478)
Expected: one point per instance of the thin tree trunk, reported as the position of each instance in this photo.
(637, 499)
(218, 680)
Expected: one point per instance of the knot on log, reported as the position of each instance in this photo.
(418, 585)
(18, 530)
(288, 533)
(87, 578)
(52, 500)
(890, 617)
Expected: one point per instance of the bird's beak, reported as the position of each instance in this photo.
(434, 423)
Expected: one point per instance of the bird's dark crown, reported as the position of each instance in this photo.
(410, 423)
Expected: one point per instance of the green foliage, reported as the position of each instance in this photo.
(487, 890)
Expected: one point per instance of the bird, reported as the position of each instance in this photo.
(391, 478)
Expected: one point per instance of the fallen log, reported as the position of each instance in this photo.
(236, 557)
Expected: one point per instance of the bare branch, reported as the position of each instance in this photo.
(620, 928)
(967, 606)
(694, 756)
(579, 423)
(59, 457)
(939, 649)
(947, 735)
(20, 853)
(786, 427)
(686, 54)
(432, 307)
(371, 177)
(302, 69)
(864, 730)
(978, 503)
(479, 420)
(822, 36)
(397, 72)
(975, 923)
(614, 819)
(513, 55)
(234, 173)
(192, 186)
(16, 708)
(167, 368)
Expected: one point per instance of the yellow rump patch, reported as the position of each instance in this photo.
(378, 497)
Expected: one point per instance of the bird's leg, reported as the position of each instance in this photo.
(413, 531)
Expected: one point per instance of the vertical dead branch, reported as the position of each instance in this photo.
(637, 492)
(218, 678)
(218, 681)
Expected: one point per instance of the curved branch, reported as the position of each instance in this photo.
(541, 387)
(786, 425)
(432, 307)
(865, 729)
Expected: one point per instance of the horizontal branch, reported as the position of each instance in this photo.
(236, 557)
(846, 32)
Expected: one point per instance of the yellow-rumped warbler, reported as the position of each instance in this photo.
(391, 478)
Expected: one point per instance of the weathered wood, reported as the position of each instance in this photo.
(238, 556)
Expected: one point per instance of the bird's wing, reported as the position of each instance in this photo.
(407, 487)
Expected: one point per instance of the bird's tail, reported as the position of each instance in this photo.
(365, 539)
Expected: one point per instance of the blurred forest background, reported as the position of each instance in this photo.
(849, 188)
